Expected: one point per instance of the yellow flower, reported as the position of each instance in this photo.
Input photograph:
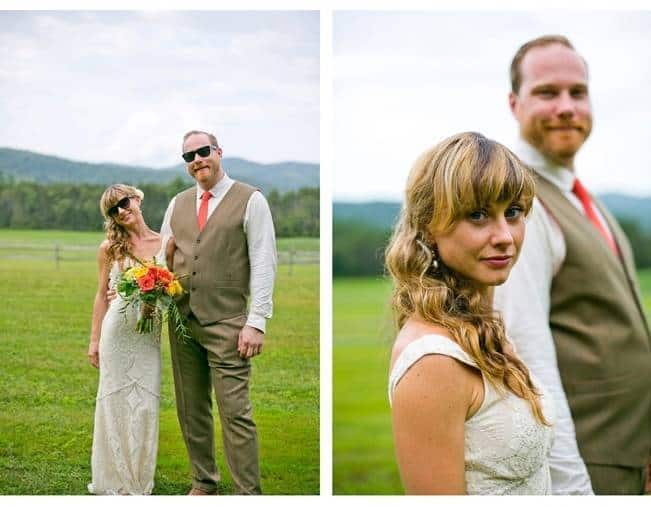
(174, 288)
(139, 271)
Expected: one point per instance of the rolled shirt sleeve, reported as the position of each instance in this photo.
(261, 239)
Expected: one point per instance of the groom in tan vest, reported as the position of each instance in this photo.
(225, 250)
(572, 305)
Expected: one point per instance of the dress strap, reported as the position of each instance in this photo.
(423, 346)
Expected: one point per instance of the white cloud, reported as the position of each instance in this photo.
(116, 86)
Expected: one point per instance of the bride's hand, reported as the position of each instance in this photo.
(111, 294)
(93, 354)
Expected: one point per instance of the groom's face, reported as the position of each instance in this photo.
(552, 105)
(207, 171)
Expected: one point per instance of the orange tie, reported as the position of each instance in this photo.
(203, 210)
(579, 190)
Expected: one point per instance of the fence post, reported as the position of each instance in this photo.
(56, 256)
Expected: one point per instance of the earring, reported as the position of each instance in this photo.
(433, 251)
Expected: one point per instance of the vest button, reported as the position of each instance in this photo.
(193, 289)
(198, 241)
(196, 257)
(194, 273)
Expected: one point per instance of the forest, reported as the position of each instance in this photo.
(68, 206)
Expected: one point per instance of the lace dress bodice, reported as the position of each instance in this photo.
(505, 448)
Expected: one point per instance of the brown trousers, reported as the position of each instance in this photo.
(615, 480)
(211, 361)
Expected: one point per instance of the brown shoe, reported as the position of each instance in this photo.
(199, 492)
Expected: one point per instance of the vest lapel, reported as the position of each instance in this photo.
(628, 262)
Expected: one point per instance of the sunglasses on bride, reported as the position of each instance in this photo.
(203, 152)
(124, 203)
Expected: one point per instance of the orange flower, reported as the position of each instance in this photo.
(147, 282)
(163, 275)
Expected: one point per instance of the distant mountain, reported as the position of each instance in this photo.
(628, 206)
(384, 214)
(28, 165)
(377, 213)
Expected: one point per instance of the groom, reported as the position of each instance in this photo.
(572, 304)
(225, 250)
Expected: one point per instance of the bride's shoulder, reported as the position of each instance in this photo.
(413, 330)
(103, 249)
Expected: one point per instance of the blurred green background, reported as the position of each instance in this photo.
(364, 460)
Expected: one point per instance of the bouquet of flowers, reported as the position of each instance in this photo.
(151, 288)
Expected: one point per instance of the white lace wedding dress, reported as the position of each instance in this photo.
(506, 448)
(125, 437)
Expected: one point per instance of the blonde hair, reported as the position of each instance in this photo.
(462, 174)
(119, 245)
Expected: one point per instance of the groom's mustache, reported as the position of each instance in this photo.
(565, 125)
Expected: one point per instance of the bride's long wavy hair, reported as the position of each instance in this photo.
(464, 173)
(118, 237)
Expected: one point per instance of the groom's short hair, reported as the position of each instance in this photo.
(213, 139)
(545, 40)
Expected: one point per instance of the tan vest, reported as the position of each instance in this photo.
(214, 263)
(602, 338)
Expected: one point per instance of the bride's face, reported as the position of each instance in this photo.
(129, 214)
(484, 246)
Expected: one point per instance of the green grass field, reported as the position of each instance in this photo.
(48, 239)
(47, 394)
(364, 460)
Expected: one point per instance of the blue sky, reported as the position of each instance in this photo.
(404, 81)
(124, 87)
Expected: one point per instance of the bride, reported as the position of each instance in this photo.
(467, 416)
(125, 437)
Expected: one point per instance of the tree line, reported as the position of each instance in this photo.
(358, 248)
(67, 206)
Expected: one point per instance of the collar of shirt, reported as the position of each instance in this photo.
(559, 175)
(218, 190)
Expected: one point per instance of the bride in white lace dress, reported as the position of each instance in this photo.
(125, 436)
(467, 416)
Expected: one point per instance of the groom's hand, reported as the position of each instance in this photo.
(249, 343)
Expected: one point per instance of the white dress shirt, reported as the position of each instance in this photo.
(261, 241)
(524, 301)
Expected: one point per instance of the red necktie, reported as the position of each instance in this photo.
(579, 190)
(203, 210)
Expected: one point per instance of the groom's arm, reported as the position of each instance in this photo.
(261, 239)
(524, 301)
(166, 228)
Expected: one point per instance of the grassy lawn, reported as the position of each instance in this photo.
(363, 457)
(363, 460)
(47, 399)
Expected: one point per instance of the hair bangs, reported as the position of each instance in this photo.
(503, 179)
(477, 175)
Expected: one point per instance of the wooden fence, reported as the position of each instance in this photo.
(74, 253)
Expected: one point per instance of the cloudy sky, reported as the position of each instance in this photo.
(125, 86)
(404, 81)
